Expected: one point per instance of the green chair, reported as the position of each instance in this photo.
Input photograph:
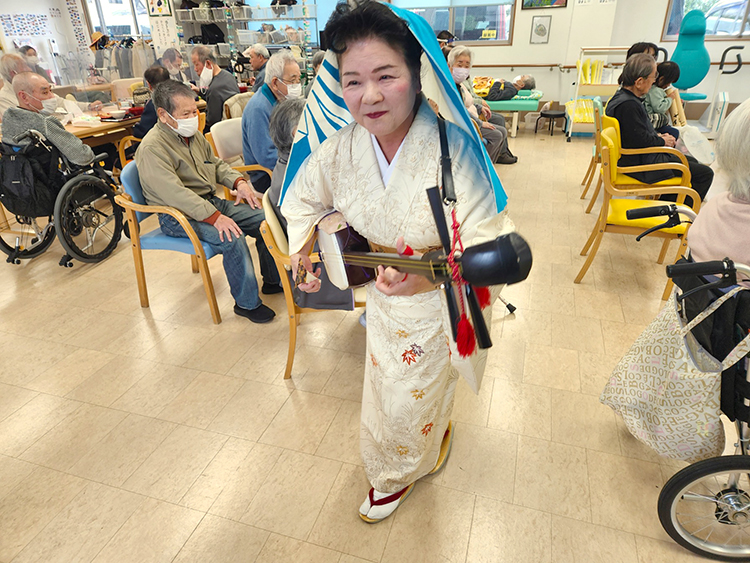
(691, 54)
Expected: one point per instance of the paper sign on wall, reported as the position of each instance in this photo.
(489, 34)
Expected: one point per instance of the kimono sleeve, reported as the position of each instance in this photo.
(307, 201)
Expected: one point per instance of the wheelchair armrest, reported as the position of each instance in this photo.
(99, 157)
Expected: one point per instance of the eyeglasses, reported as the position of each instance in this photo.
(295, 80)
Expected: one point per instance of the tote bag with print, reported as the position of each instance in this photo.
(667, 387)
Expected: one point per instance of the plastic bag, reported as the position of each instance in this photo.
(697, 144)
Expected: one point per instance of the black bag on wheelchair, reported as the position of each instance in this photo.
(30, 179)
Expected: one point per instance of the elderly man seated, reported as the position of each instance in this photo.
(504, 90)
(258, 55)
(172, 61)
(10, 66)
(216, 85)
(493, 130)
(282, 82)
(33, 98)
(637, 132)
(177, 168)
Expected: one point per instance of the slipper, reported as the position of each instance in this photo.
(445, 449)
(395, 500)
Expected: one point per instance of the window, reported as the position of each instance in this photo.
(126, 18)
(724, 18)
(488, 21)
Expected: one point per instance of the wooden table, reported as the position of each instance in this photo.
(104, 132)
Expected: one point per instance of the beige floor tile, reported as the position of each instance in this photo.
(552, 367)
(655, 551)
(351, 559)
(311, 369)
(102, 328)
(625, 498)
(595, 371)
(341, 441)
(580, 542)
(302, 422)
(219, 353)
(506, 359)
(69, 372)
(552, 477)
(558, 300)
(26, 510)
(471, 408)
(12, 472)
(175, 464)
(155, 532)
(598, 305)
(619, 337)
(505, 533)
(339, 527)
(143, 337)
(13, 398)
(216, 540)
(67, 442)
(265, 361)
(109, 383)
(349, 335)
(241, 485)
(581, 420)
(641, 310)
(32, 421)
(532, 327)
(282, 548)
(576, 333)
(155, 390)
(250, 411)
(83, 527)
(199, 403)
(292, 495)
(317, 329)
(483, 462)
(217, 474)
(123, 450)
(177, 346)
(521, 409)
(347, 378)
(432, 525)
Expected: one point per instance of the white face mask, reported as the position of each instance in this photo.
(460, 74)
(293, 91)
(32, 60)
(516, 79)
(173, 70)
(48, 106)
(185, 127)
(207, 75)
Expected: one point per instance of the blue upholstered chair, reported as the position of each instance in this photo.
(136, 211)
(691, 54)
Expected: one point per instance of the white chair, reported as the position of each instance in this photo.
(233, 106)
(227, 139)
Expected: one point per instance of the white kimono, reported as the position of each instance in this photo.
(410, 380)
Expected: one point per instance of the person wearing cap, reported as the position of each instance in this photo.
(446, 39)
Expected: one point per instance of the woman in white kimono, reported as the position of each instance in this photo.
(375, 172)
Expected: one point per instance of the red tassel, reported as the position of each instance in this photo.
(465, 341)
(483, 296)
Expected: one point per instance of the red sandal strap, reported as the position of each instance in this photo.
(386, 500)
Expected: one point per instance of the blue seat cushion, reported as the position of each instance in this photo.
(692, 96)
(157, 240)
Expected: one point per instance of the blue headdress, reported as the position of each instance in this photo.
(325, 111)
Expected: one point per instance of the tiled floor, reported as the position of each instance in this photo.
(152, 435)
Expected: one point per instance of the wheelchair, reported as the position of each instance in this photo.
(705, 507)
(83, 213)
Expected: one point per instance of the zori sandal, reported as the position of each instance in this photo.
(373, 511)
(445, 449)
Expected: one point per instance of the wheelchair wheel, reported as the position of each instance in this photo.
(24, 237)
(88, 220)
(706, 508)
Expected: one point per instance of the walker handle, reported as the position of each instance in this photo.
(724, 56)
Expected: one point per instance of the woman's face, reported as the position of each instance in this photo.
(378, 89)
(462, 62)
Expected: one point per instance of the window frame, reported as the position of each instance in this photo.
(474, 43)
(103, 21)
(741, 36)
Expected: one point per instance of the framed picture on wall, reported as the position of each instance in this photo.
(534, 4)
(540, 26)
(159, 8)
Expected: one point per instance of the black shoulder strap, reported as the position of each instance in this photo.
(449, 194)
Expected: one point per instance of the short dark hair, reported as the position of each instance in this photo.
(445, 35)
(669, 73)
(371, 19)
(171, 55)
(283, 123)
(25, 49)
(642, 47)
(164, 94)
(637, 66)
(155, 75)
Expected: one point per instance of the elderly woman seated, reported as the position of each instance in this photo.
(637, 132)
(493, 130)
(722, 228)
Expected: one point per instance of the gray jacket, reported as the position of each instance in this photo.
(260, 77)
(223, 86)
(18, 120)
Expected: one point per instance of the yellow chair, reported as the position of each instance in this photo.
(201, 120)
(122, 145)
(278, 246)
(596, 159)
(612, 217)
